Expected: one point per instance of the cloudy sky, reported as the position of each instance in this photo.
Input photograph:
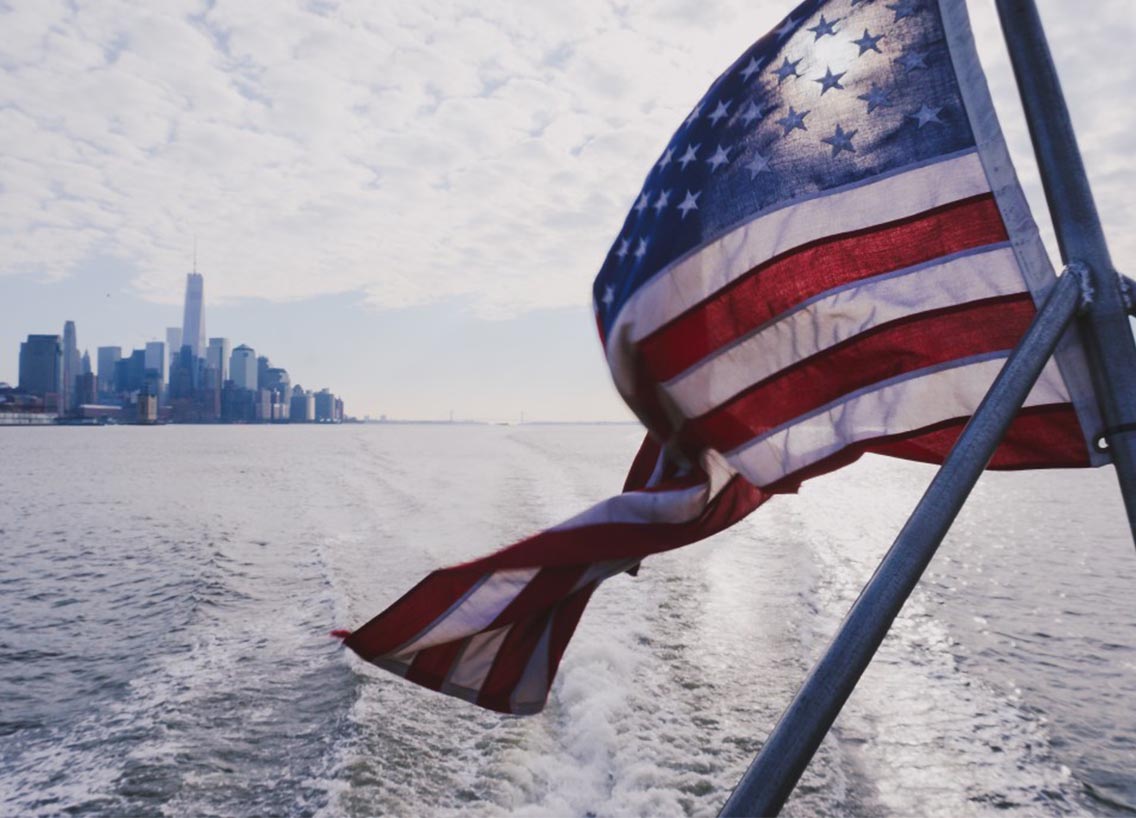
(405, 202)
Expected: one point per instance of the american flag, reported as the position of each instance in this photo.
(832, 256)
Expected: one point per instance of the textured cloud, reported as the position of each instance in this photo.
(411, 151)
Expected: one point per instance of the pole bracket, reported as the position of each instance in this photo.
(1128, 293)
(1080, 271)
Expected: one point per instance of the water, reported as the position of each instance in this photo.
(165, 595)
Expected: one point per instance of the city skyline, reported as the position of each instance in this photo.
(154, 384)
(427, 243)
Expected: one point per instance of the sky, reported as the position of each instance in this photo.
(408, 202)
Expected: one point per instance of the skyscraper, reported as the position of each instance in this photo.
(41, 366)
(157, 360)
(218, 358)
(242, 367)
(108, 356)
(72, 366)
(193, 323)
(173, 344)
(262, 367)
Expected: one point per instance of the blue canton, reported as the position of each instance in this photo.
(839, 92)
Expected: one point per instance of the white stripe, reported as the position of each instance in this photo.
(476, 611)
(690, 281)
(893, 409)
(836, 318)
(477, 659)
(532, 688)
(643, 507)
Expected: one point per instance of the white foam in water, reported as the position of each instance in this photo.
(675, 676)
(932, 740)
(246, 707)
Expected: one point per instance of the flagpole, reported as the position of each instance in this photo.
(774, 773)
(1104, 327)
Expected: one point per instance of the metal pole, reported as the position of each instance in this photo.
(1104, 328)
(773, 774)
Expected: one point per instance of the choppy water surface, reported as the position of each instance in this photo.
(165, 596)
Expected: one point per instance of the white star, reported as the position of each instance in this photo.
(722, 110)
(759, 164)
(641, 250)
(792, 120)
(644, 200)
(926, 115)
(752, 67)
(689, 203)
(841, 141)
(719, 158)
(689, 156)
(910, 60)
(785, 70)
(666, 160)
(608, 296)
(753, 112)
(824, 27)
(830, 81)
(786, 28)
(661, 202)
(694, 114)
(624, 246)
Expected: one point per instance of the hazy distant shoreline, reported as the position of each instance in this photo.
(396, 422)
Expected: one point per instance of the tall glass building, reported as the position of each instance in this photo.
(193, 323)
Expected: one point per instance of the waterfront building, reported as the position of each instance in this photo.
(41, 369)
(107, 357)
(173, 344)
(217, 358)
(156, 360)
(325, 406)
(262, 367)
(209, 395)
(71, 366)
(302, 407)
(130, 373)
(147, 407)
(263, 405)
(242, 367)
(193, 323)
(183, 375)
(86, 389)
(237, 405)
(277, 380)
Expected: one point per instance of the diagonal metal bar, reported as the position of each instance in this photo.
(774, 773)
(1104, 328)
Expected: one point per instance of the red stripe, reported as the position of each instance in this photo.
(797, 275)
(542, 590)
(564, 625)
(887, 351)
(431, 666)
(496, 693)
(1040, 437)
(618, 541)
(512, 658)
(643, 466)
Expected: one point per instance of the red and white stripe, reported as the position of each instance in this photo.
(492, 631)
(868, 314)
(870, 319)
